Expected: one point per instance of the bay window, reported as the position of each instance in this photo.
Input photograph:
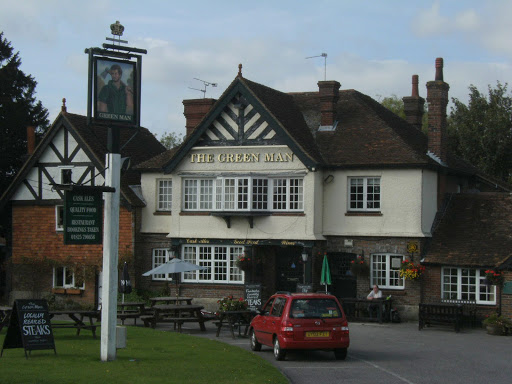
(243, 194)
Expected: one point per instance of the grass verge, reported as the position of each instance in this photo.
(150, 357)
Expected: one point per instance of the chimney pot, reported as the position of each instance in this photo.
(415, 81)
(439, 69)
(240, 70)
(31, 139)
(414, 105)
(63, 109)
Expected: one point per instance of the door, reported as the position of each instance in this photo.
(344, 283)
(289, 268)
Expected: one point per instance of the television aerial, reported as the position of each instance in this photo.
(205, 84)
(324, 55)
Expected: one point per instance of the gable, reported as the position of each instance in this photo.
(239, 122)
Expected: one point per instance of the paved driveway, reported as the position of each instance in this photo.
(399, 353)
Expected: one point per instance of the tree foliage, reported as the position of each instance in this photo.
(171, 139)
(18, 109)
(481, 132)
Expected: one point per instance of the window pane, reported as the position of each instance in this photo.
(279, 194)
(190, 194)
(296, 194)
(206, 195)
(220, 264)
(59, 277)
(159, 258)
(235, 274)
(260, 194)
(385, 270)
(229, 194)
(205, 260)
(189, 255)
(356, 193)
(164, 195)
(243, 194)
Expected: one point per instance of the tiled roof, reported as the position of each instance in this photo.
(474, 231)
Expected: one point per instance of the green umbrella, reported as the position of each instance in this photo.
(326, 274)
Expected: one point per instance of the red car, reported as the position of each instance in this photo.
(301, 321)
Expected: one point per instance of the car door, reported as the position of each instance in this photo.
(275, 318)
(261, 324)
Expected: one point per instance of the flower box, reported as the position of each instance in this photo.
(59, 291)
(74, 291)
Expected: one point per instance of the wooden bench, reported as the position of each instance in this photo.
(469, 317)
(130, 311)
(442, 313)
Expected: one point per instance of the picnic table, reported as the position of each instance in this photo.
(170, 300)
(177, 314)
(77, 317)
(360, 308)
(132, 310)
(5, 315)
(235, 319)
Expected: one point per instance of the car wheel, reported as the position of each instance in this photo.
(340, 354)
(279, 353)
(255, 345)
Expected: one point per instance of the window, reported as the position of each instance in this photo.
(64, 277)
(466, 284)
(66, 176)
(243, 194)
(161, 256)
(364, 194)
(164, 195)
(220, 261)
(385, 270)
(277, 309)
(59, 217)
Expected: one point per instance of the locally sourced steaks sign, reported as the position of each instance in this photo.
(252, 294)
(29, 327)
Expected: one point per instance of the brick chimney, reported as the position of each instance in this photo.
(329, 95)
(31, 139)
(437, 99)
(414, 105)
(194, 112)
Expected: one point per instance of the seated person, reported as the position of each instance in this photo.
(375, 293)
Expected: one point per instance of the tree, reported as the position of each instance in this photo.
(18, 109)
(171, 139)
(481, 132)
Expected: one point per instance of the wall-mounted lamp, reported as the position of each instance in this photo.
(329, 179)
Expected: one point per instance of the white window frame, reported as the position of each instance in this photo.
(220, 261)
(164, 195)
(68, 281)
(479, 287)
(244, 194)
(59, 218)
(389, 276)
(160, 256)
(365, 194)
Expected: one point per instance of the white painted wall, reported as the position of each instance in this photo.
(270, 227)
(429, 200)
(401, 205)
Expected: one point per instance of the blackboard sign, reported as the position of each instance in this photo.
(29, 327)
(252, 294)
(304, 288)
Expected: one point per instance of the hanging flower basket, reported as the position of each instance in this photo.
(244, 263)
(411, 271)
(359, 267)
(494, 278)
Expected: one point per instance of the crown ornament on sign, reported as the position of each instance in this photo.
(117, 28)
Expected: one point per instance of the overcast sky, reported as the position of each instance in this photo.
(372, 46)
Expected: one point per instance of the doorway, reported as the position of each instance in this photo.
(344, 283)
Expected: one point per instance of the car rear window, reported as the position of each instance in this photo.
(315, 309)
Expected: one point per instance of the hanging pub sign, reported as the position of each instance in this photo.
(115, 90)
(29, 327)
(83, 217)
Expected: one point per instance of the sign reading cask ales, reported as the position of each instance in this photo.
(83, 217)
(29, 327)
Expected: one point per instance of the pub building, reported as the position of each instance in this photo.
(283, 179)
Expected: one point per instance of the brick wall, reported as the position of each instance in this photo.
(37, 245)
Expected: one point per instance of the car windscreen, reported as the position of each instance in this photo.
(315, 308)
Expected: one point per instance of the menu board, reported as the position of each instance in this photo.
(304, 288)
(252, 294)
(29, 327)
